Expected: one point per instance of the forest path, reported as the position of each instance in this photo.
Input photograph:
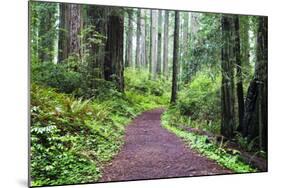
(150, 151)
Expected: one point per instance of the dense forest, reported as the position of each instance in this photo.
(95, 68)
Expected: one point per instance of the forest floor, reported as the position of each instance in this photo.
(150, 152)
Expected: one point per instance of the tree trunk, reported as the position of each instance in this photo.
(70, 27)
(142, 39)
(159, 47)
(185, 40)
(129, 54)
(153, 43)
(227, 89)
(175, 59)
(166, 44)
(113, 68)
(62, 54)
(245, 51)
(255, 119)
(245, 44)
(147, 39)
(239, 78)
(74, 31)
(138, 40)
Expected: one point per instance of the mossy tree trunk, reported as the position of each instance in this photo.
(239, 78)
(256, 104)
(227, 88)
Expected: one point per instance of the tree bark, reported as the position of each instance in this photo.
(140, 43)
(147, 39)
(70, 27)
(129, 47)
(245, 44)
(166, 44)
(159, 45)
(113, 68)
(227, 89)
(62, 54)
(239, 78)
(175, 59)
(256, 105)
(138, 40)
(185, 38)
(153, 43)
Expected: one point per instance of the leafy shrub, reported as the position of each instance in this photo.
(69, 138)
(57, 76)
(141, 83)
(72, 137)
(201, 97)
(199, 104)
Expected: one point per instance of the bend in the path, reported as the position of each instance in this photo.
(150, 152)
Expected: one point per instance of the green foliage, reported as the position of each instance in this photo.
(199, 103)
(211, 150)
(56, 156)
(58, 76)
(204, 46)
(141, 83)
(72, 138)
(43, 30)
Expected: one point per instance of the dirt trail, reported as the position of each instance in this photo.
(150, 151)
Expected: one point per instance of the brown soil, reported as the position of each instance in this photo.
(150, 152)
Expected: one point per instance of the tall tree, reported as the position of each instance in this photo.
(159, 45)
(138, 39)
(166, 44)
(113, 67)
(147, 38)
(70, 28)
(245, 44)
(175, 58)
(129, 41)
(185, 37)
(256, 109)
(140, 42)
(143, 38)
(153, 43)
(227, 88)
(239, 78)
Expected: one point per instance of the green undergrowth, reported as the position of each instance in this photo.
(198, 103)
(205, 147)
(72, 138)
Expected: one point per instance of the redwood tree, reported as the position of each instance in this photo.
(227, 88)
(256, 109)
(70, 28)
(175, 58)
(166, 44)
(239, 78)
